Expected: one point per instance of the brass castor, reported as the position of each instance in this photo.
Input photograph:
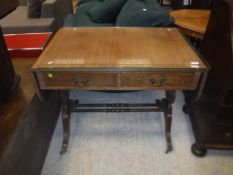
(185, 109)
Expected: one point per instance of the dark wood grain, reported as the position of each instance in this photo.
(118, 80)
(7, 6)
(161, 80)
(195, 4)
(201, 4)
(11, 112)
(26, 126)
(8, 78)
(28, 149)
(212, 114)
(72, 80)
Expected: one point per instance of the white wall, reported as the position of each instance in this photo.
(186, 2)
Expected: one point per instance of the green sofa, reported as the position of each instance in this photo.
(125, 13)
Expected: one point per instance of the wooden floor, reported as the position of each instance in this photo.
(11, 113)
(26, 125)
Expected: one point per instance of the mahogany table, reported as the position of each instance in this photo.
(118, 59)
(191, 21)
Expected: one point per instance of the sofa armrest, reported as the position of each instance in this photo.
(57, 9)
(48, 9)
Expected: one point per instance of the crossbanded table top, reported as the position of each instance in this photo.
(119, 48)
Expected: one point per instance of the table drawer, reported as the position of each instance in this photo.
(166, 80)
(86, 80)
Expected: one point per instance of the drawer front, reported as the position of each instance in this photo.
(72, 80)
(166, 80)
(222, 134)
(225, 115)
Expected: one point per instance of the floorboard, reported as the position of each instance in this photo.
(26, 126)
(12, 111)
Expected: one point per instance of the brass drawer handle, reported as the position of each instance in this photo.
(162, 80)
(76, 81)
(154, 82)
(81, 82)
(85, 82)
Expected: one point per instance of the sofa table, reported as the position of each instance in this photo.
(118, 59)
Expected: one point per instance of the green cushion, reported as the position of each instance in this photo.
(68, 20)
(83, 20)
(106, 11)
(87, 1)
(83, 8)
(136, 13)
(152, 4)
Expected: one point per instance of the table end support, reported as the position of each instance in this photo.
(167, 107)
(66, 104)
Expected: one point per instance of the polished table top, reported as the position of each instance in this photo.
(119, 48)
(192, 19)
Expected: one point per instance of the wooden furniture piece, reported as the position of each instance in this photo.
(10, 119)
(26, 125)
(118, 59)
(8, 79)
(7, 6)
(177, 4)
(26, 44)
(192, 22)
(212, 114)
(201, 4)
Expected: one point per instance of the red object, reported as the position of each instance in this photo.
(27, 44)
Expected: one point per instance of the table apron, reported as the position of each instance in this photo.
(118, 80)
